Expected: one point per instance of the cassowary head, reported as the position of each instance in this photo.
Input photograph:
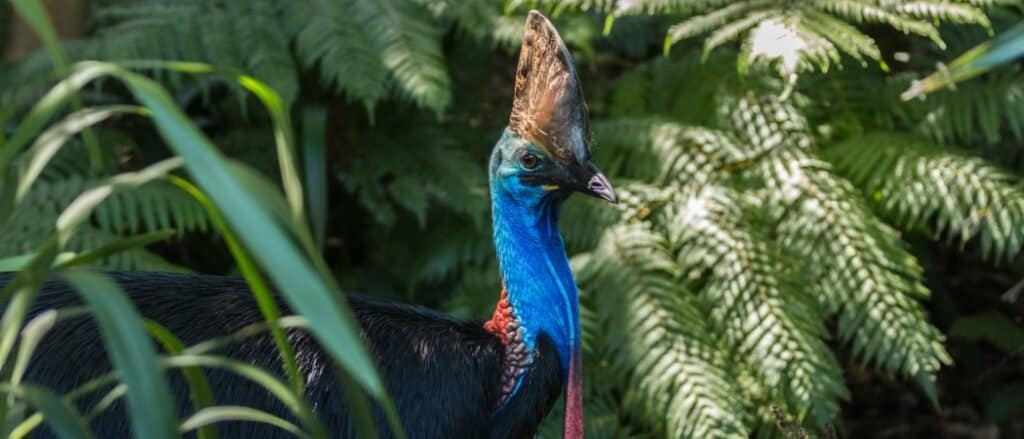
(545, 152)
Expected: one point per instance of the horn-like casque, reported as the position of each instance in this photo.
(548, 109)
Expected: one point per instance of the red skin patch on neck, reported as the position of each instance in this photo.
(498, 324)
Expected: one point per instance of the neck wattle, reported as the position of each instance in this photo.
(539, 297)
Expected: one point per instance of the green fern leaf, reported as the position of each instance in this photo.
(766, 315)
(410, 47)
(919, 184)
(678, 379)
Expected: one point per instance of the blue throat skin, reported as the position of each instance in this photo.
(531, 254)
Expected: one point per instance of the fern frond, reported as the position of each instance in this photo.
(749, 292)
(863, 270)
(764, 122)
(713, 20)
(979, 111)
(198, 31)
(677, 373)
(266, 47)
(919, 184)
(860, 11)
(508, 32)
(157, 205)
(327, 36)
(945, 11)
(845, 36)
(660, 151)
(809, 35)
(452, 248)
(416, 178)
(410, 47)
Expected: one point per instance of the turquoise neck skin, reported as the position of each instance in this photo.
(531, 254)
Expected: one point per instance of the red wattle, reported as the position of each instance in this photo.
(573, 428)
(503, 315)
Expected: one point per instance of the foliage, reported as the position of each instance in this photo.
(768, 238)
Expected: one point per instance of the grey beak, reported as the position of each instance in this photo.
(599, 187)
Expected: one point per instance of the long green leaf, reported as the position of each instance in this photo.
(264, 298)
(296, 404)
(50, 141)
(305, 288)
(1005, 48)
(115, 247)
(62, 417)
(153, 414)
(212, 415)
(314, 127)
(23, 288)
(34, 332)
(279, 117)
(82, 207)
(17, 263)
(20, 292)
(33, 12)
(198, 385)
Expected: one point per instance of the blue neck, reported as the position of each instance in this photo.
(535, 269)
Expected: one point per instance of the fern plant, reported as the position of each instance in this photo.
(763, 235)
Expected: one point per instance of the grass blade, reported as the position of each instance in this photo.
(296, 404)
(82, 207)
(279, 117)
(61, 416)
(198, 385)
(35, 15)
(132, 354)
(50, 141)
(302, 284)
(34, 332)
(314, 154)
(264, 298)
(212, 415)
(18, 263)
(115, 247)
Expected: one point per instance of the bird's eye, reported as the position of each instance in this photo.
(529, 161)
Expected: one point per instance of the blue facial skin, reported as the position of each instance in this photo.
(531, 254)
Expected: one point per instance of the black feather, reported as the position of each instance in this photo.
(442, 373)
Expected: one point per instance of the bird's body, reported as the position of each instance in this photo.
(447, 378)
(427, 359)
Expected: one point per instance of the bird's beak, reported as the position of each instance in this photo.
(596, 184)
(600, 187)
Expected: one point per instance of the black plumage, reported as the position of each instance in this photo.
(426, 359)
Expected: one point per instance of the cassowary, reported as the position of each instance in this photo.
(448, 378)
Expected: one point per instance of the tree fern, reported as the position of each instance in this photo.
(660, 151)
(985, 111)
(155, 206)
(198, 31)
(410, 47)
(917, 184)
(757, 301)
(806, 35)
(327, 36)
(868, 275)
(266, 47)
(677, 374)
